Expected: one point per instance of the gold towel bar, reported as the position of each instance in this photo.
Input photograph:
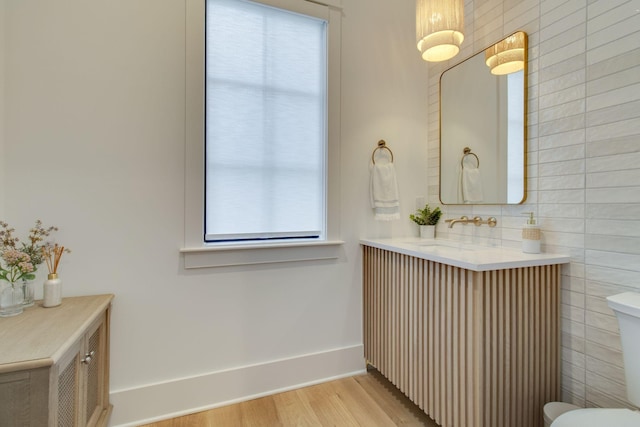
(467, 152)
(382, 145)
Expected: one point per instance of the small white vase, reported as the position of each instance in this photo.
(52, 291)
(428, 231)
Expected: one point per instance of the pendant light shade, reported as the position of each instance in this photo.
(507, 56)
(439, 26)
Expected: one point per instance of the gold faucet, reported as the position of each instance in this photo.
(463, 219)
(491, 221)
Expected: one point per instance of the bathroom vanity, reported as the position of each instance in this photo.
(470, 334)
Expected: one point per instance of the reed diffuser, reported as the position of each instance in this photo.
(53, 285)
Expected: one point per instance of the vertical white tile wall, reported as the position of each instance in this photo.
(583, 166)
(612, 187)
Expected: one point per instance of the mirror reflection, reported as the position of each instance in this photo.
(483, 126)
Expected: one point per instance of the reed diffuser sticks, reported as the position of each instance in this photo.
(52, 255)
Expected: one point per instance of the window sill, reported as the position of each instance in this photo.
(226, 255)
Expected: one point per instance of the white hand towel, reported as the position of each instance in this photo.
(471, 185)
(384, 192)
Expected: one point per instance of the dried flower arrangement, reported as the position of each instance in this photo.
(22, 259)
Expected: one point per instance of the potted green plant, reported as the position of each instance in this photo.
(426, 218)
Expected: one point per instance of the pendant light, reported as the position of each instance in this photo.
(506, 56)
(439, 26)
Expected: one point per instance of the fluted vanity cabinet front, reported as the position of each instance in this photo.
(54, 367)
(470, 348)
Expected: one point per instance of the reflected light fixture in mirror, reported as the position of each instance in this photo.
(439, 25)
(506, 56)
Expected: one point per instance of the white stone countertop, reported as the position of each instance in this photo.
(463, 255)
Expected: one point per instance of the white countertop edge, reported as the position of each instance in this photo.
(480, 259)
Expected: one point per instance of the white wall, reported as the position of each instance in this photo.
(94, 143)
(583, 169)
(384, 96)
(94, 126)
(2, 103)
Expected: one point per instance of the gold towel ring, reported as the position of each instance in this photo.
(382, 145)
(467, 152)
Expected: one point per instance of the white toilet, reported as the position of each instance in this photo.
(627, 309)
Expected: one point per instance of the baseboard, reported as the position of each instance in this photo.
(154, 402)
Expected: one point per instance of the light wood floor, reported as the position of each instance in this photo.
(367, 400)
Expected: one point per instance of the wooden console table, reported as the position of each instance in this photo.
(54, 364)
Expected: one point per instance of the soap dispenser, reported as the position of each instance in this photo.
(531, 235)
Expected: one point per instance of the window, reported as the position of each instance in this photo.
(265, 122)
(515, 135)
(265, 188)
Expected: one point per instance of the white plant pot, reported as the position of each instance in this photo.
(428, 231)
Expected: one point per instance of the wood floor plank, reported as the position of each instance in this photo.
(367, 400)
(396, 405)
(361, 405)
(328, 407)
(260, 413)
(294, 410)
(230, 415)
